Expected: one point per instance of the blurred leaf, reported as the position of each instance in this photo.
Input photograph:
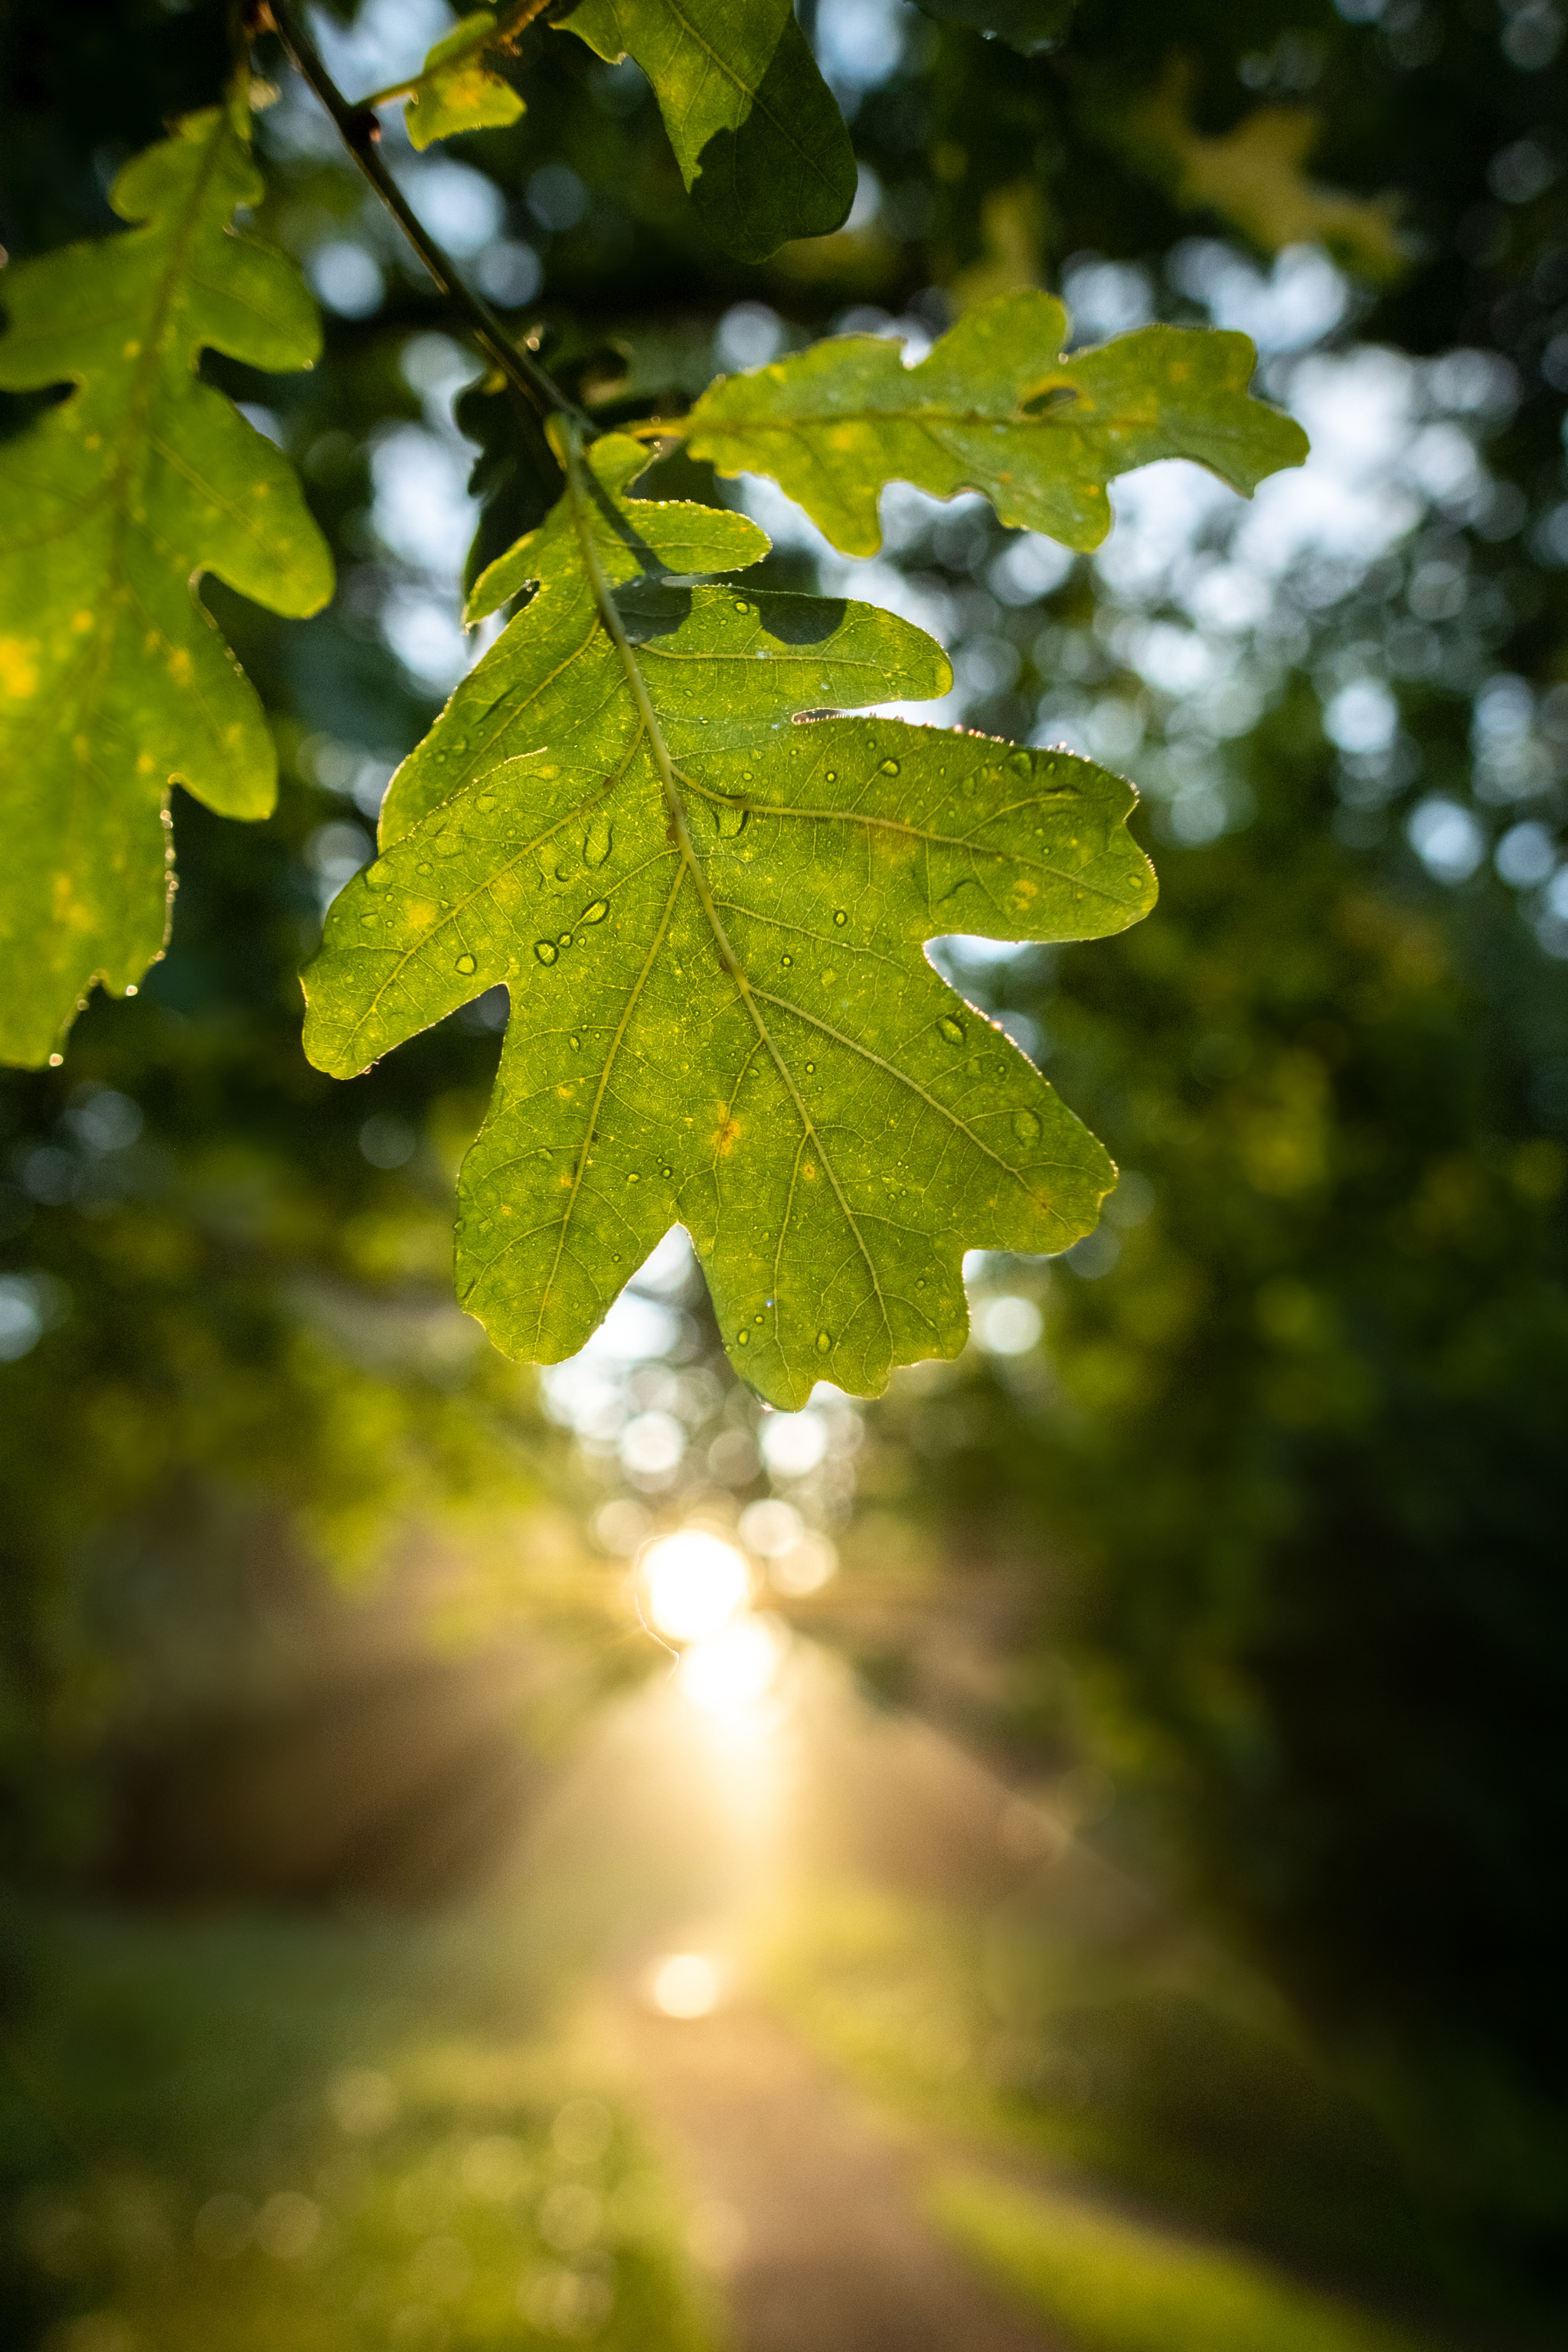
(992, 408)
(113, 680)
(1252, 176)
(759, 139)
(1012, 222)
(711, 924)
(457, 90)
(515, 476)
(1030, 26)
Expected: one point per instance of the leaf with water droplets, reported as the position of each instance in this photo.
(114, 681)
(736, 1010)
(994, 406)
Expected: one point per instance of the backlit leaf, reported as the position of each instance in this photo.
(113, 680)
(759, 139)
(457, 90)
(993, 407)
(710, 920)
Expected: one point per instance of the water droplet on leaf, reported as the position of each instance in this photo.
(1026, 1126)
(730, 820)
(823, 1342)
(597, 841)
(950, 1029)
(890, 767)
(545, 949)
(465, 963)
(840, 916)
(597, 912)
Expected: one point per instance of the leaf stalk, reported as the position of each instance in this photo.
(360, 132)
(507, 35)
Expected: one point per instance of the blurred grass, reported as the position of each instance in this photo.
(1118, 2285)
(1129, 2059)
(264, 2135)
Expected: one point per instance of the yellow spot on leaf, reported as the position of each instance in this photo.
(180, 666)
(724, 1135)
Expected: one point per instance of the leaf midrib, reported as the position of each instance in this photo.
(812, 162)
(614, 628)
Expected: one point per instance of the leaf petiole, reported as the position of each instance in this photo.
(357, 127)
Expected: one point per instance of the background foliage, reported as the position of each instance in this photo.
(1269, 1465)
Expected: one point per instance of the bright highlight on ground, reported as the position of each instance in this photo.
(685, 1985)
(729, 1673)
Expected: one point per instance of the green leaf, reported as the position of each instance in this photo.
(515, 476)
(992, 408)
(457, 90)
(710, 921)
(1030, 26)
(113, 679)
(759, 139)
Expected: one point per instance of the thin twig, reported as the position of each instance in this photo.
(507, 35)
(359, 131)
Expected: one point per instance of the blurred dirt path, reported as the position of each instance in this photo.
(808, 2207)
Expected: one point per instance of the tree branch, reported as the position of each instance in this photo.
(359, 131)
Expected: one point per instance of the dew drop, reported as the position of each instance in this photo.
(459, 742)
(809, 1068)
(731, 820)
(1026, 1126)
(563, 873)
(574, 1042)
(633, 1178)
(597, 912)
(921, 1283)
(545, 949)
(890, 767)
(377, 876)
(465, 963)
(823, 1342)
(741, 605)
(756, 1319)
(597, 841)
(742, 1338)
(565, 939)
(424, 867)
(840, 916)
(787, 962)
(950, 1029)
(485, 802)
(370, 922)
(830, 776)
